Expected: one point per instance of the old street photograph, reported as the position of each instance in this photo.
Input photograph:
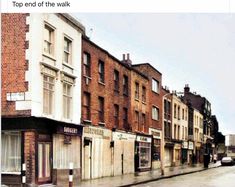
(117, 99)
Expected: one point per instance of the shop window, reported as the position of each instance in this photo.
(48, 94)
(144, 155)
(156, 149)
(11, 152)
(67, 100)
(63, 153)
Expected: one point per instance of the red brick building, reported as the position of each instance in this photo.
(38, 72)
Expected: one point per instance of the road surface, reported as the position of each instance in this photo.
(223, 176)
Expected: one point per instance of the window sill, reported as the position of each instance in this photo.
(144, 102)
(49, 56)
(87, 121)
(68, 65)
(101, 124)
(102, 83)
(87, 77)
(136, 99)
(155, 119)
(125, 94)
(156, 92)
(11, 173)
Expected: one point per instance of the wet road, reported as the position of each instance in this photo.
(223, 176)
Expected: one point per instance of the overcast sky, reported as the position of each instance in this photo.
(194, 49)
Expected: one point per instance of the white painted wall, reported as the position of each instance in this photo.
(35, 57)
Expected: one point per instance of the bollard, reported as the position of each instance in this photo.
(70, 174)
(23, 174)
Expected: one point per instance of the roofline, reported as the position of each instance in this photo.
(73, 21)
(148, 64)
(113, 57)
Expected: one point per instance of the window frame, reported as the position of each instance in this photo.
(50, 41)
(116, 80)
(87, 107)
(137, 91)
(101, 109)
(87, 65)
(125, 85)
(68, 51)
(101, 71)
(51, 101)
(155, 85)
(69, 100)
(155, 116)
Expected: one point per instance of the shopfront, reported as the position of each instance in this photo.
(184, 149)
(169, 148)
(191, 154)
(156, 147)
(123, 152)
(143, 152)
(45, 151)
(97, 152)
(177, 154)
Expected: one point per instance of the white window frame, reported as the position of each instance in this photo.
(68, 98)
(155, 113)
(68, 51)
(155, 85)
(50, 109)
(50, 41)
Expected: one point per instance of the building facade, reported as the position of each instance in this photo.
(155, 109)
(37, 74)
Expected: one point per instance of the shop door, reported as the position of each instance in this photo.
(44, 162)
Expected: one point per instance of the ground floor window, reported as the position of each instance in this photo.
(144, 155)
(66, 152)
(11, 152)
(156, 149)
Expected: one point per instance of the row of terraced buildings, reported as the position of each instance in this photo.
(66, 100)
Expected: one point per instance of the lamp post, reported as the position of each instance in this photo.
(163, 137)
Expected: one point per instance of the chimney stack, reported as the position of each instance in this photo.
(186, 88)
(126, 60)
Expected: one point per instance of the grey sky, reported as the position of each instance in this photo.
(194, 49)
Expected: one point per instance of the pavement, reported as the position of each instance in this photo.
(143, 177)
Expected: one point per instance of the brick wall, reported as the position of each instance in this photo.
(29, 156)
(14, 64)
(106, 90)
(154, 98)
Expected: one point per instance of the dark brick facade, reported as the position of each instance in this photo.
(154, 98)
(96, 89)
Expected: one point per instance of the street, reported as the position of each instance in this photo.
(216, 177)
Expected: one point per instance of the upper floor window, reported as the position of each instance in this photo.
(155, 113)
(48, 94)
(125, 118)
(178, 112)
(143, 94)
(48, 40)
(101, 109)
(174, 110)
(116, 80)
(137, 119)
(116, 115)
(125, 85)
(67, 100)
(87, 64)
(67, 50)
(182, 113)
(137, 90)
(155, 86)
(86, 106)
(101, 71)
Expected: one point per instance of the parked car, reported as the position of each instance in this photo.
(227, 161)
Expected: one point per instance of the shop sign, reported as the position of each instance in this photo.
(190, 145)
(156, 133)
(91, 131)
(185, 145)
(18, 96)
(68, 130)
(143, 139)
(123, 136)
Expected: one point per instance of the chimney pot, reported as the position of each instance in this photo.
(123, 57)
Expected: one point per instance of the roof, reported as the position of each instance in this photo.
(147, 64)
